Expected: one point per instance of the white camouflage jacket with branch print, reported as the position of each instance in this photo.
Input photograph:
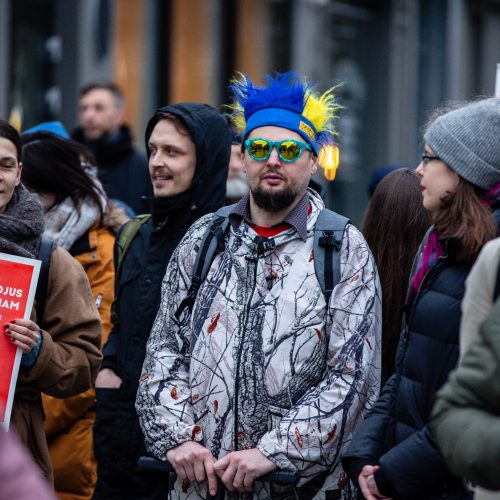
(262, 361)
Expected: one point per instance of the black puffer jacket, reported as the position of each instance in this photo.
(395, 434)
(118, 438)
(122, 170)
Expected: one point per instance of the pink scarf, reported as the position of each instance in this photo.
(427, 259)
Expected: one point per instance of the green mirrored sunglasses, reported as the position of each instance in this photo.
(288, 150)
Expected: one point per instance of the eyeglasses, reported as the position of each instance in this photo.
(427, 158)
(288, 150)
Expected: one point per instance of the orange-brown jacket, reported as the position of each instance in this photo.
(69, 421)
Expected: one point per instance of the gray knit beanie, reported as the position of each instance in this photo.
(467, 139)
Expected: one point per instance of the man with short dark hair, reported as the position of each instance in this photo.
(123, 171)
(188, 147)
(268, 369)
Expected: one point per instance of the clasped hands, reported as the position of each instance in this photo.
(237, 470)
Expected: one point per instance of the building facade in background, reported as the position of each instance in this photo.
(395, 60)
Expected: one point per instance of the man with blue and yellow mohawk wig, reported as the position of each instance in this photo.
(270, 369)
(287, 101)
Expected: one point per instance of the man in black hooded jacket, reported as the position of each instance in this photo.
(188, 147)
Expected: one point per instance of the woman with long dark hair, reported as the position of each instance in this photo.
(75, 215)
(393, 455)
(396, 203)
(55, 172)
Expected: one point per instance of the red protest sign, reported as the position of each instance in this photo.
(18, 279)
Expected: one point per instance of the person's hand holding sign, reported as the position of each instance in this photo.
(23, 333)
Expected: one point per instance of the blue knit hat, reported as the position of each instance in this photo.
(56, 128)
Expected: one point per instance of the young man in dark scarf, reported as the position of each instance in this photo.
(60, 349)
(188, 146)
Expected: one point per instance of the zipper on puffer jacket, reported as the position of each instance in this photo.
(254, 261)
(430, 273)
(399, 368)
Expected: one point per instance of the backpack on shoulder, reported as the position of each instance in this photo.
(123, 241)
(126, 236)
(328, 233)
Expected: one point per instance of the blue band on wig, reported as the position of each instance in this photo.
(280, 117)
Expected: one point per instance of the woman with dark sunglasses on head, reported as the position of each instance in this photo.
(393, 454)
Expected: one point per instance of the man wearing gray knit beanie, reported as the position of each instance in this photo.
(467, 139)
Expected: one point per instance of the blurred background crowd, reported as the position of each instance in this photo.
(396, 60)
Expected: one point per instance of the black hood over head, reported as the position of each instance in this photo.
(212, 137)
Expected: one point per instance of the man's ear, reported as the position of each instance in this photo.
(243, 161)
(314, 164)
(120, 116)
(19, 170)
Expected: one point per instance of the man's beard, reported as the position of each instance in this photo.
(273, 201)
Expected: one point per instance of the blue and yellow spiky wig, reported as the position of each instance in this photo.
(285, 101)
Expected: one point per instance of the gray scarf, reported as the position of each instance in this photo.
(21, 225)
(65, 223)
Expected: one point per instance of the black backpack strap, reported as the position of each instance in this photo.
(328, 233)
(44, 254)
(212, 243)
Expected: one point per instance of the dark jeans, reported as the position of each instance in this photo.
(131, 487)
(118, 443)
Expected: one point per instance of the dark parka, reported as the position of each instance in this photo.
(395, 434)
(122, 170)
(118, 438)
